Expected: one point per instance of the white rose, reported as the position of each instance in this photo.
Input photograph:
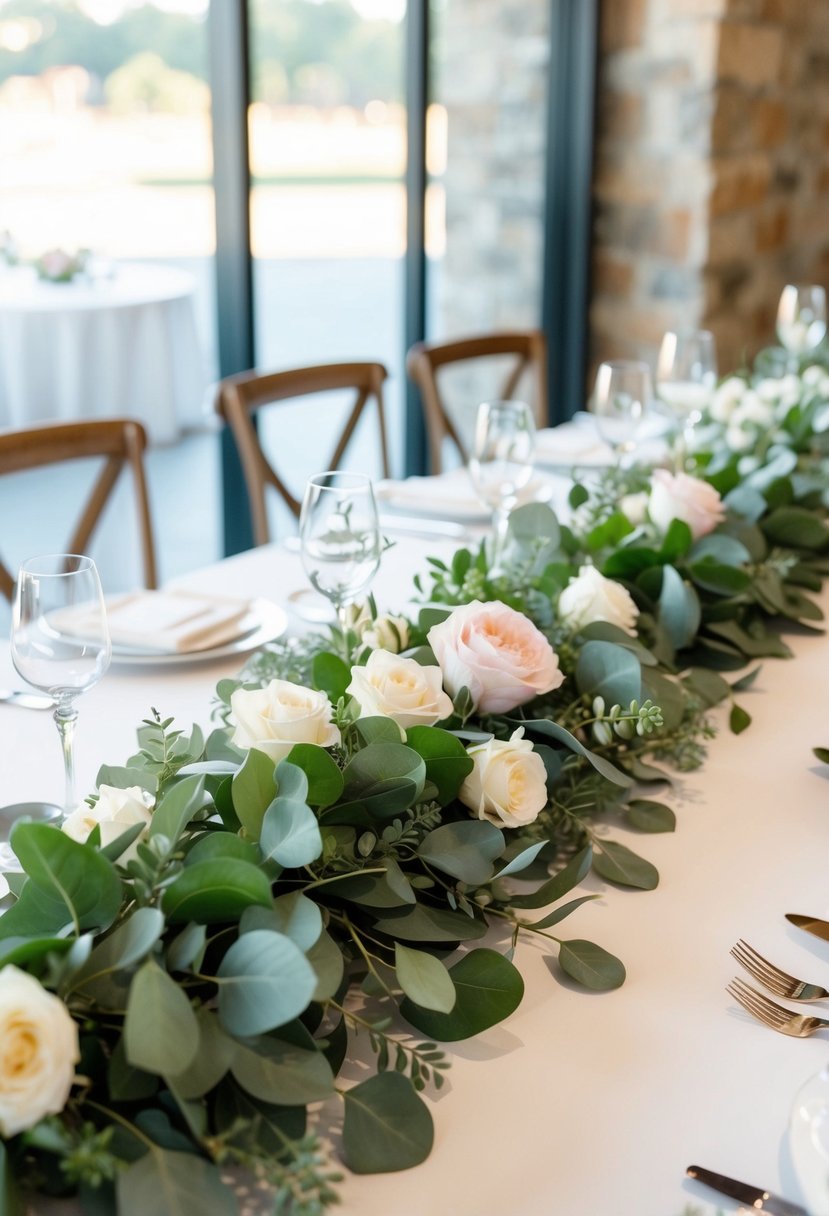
(813, 374)
(738, 439)
(508, 784)
(114, 812)
(768, 389)
(398, 688)
(726, 398)
(679, 496)
(592, 597)
(274, 718)
(753, 409)
(387, 633)
(38, 1052)
(634, 507)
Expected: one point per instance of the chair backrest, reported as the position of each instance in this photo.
(239, 398)
(426, 359)
(120, 441)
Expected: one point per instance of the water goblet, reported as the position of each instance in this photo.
(686, 376)
(801, 319)
(339, 537)
(621, 400)
(60, 640)
(501, 464)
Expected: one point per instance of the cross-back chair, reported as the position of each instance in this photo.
(120, 441)
(240, 397)
(425, 361)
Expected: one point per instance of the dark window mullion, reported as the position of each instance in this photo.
(414, 324)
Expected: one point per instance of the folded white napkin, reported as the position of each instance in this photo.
(446, 496)
(174, 622)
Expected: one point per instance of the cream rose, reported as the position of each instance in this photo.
(114, 812)
(508, 785)
(38, 1052)
(399, 688)
(726, 398)
(495, 652)
(678, 496)
(592, 597)
(274, 718)
(387, 633)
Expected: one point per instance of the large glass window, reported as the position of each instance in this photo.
(328, 152)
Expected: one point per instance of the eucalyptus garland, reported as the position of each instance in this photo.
(351, 858)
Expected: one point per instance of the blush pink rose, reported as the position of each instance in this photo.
(495, 652)
(678, 496)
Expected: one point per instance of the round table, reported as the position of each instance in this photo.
(123, 343)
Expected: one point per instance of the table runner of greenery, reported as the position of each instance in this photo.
(355, 852)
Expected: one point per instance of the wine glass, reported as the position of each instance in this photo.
(60, 640)
(502, 461)
(339, 538)
(801, 318)
(621, 399)
(686, 376)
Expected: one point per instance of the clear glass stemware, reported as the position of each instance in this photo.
(621, 400)
(801, 318)
(60, 640)
(339, 536)
(686, 376)
(501, 464)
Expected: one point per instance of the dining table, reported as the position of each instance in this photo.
(580, 1103)
(118, 340)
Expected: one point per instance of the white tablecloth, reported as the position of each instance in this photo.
(124, 344)
(585, 1104)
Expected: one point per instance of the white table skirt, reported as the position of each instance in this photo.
(124, 345)
(585, 1104)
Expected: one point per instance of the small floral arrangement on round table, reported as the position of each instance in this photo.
(60, 266)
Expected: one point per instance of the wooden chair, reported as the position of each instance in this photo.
(120, 441)
(426, 359)
(241, 396)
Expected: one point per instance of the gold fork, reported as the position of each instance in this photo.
(777, 981)
(771, 1014)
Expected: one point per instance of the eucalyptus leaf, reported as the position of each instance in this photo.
(557, 886)
(161, 1034)
(256, 1126)
(254, 787)
(422, 924)
(650, 816)
(212, 1060)
(79, 883)
(215, 891)
(488, 988)
(294, 914)
(127, 945)
(264, 981)
(466, 849)
(560, 913)
(552, 730)
(325, 780)
(217, 846)
(290, 832)
(386, 1127)
(447, 760)
(679, 608)
(617, 863)
(177, 1184)
(326, 958)
(424, 979)
(331, 675)
(738, 720)
(610, 671)
(282, 1073)
(591, 966)
(177, 808)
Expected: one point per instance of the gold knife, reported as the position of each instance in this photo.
(754, 1197)
(820, 928)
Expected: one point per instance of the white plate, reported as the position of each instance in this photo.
(263, 623)
(809, 1141)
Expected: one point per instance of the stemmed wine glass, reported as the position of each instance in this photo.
(502, 461)
(60, 640)
(686, 376)
(801, 318)
(621, 399)
(339, 537)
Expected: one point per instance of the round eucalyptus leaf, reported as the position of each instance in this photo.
(424, 979)
(215, 891)
(610, 671)
(161, 1034)
(466, 849)
(488, 988)
(264, 981)
(650, 816)
(386, 1127)
(617, 863)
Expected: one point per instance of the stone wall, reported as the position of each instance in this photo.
(711, 174)
(712, 168)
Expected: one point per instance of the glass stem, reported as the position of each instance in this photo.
(500, 522)
(65, 717)
(343, 623)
